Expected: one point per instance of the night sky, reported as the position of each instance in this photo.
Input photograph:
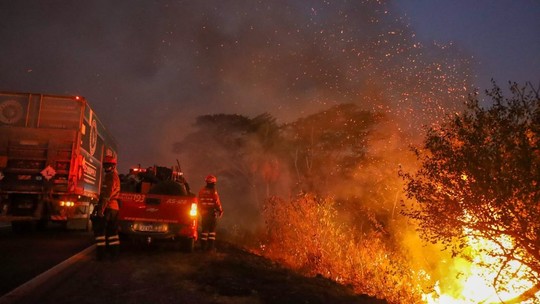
(503, 36)
(149, 68)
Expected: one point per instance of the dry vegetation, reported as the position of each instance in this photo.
(306, 234)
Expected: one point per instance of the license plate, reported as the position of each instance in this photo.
(151, 227)
(25, 205)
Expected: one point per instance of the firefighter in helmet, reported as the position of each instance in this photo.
(211, 210)
(105, 219)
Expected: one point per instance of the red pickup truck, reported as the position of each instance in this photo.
(158, 209)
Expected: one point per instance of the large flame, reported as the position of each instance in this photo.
(477, 277)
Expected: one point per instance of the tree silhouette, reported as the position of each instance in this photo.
(328, 146)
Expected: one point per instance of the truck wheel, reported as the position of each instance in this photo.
(21, 226)
(89, 224)
(42, 224)
(187, 245)
(89, 227)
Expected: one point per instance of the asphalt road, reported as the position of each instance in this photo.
(163, 274)
(57, 266)
(24, 256)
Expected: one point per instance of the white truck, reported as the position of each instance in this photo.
(51, 152)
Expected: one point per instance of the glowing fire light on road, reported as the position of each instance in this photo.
(477, 279)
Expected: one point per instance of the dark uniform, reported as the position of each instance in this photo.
(105, 220)
(211, 210)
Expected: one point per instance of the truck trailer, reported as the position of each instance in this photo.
(51, 153)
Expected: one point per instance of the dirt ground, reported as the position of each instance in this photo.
(162, 274)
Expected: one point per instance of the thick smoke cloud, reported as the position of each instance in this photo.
(149, 68)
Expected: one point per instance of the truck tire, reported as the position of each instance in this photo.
(42, 224)
(19, 227)
(89, 227)
(187, 245)
(42, 211)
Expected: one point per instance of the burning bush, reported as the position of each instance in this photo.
(308, 234)
(478, 193)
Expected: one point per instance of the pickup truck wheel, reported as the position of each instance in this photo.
(187, 245)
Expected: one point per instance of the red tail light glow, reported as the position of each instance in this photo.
(193, 211)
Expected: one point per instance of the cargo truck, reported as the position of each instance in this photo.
(51, 152)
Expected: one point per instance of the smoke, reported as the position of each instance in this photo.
(150, 68)
(294, 60)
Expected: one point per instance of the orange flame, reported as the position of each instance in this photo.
(475, 285)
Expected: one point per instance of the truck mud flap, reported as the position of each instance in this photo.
(79, 224)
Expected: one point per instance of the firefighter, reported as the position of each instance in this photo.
(106, 214)
(211, 210)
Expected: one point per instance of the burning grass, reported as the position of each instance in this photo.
(307, 234)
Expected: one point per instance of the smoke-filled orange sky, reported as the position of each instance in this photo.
(148, 68)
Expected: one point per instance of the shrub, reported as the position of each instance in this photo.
(306, 234)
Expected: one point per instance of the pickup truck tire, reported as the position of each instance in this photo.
(187, 245)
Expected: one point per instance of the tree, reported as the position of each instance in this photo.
(328, 146)
(239, 150)
(229, 143)
(479, 177)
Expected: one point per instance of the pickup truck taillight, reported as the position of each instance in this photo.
(193, 210)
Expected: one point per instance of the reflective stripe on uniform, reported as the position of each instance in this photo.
(204, 236)
(113, 237)
(113, 240)
(100, 240)
(212, 236)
